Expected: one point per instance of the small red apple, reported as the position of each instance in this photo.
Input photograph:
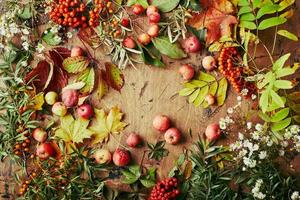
(192, 44)
(137, 9)
(172, 136)
(210, 99)
(77, 51)
(153, 30)
(125, 22)
(144, 38)
(213, 132)
(70, 97)
(209, 63)
(121, 157)
(161, 122)
(154, 17)
(85, 111)
(129, 43)
(45, 150)
(187, 72)
(151, 9)
(39, 135)
(59, 109)
(133, 140)
(102, 156)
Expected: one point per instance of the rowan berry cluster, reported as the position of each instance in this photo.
(228, 66)
(166, 189)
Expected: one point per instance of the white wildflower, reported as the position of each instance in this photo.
(244, 92)
(295, 196)
(230, 110)
(253, 96)
(69, 34)
(262, 155)
(249, 125)
(259, 127)
(40, 48)
(25, 45)
(239, 98)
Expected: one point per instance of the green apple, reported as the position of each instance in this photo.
(59, 109)
(51, 98)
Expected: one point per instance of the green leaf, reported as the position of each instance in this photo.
(271, 22)
(248, 25)
(244, 9)
(283, 84)
(206, 77)
(76, 64)
(144, 3)
(264, 100)
(280, 62)
(247, 17)
(26, 12)
(212, 90)
(129, 178)
(201, 96)
(114, 76)
(186, 91)
(222, 91)
(198, 83)
(280, 115)
(285, 3)
(194, 95)
(165, 5)
(268, 8)
(276, 99)
(147, 183)
(243, 3)
(285, 72)
(264, 116)
(167, 48)
(88, 77)
(288, 35)
(135, 169)
(51, 38)
(281, 125)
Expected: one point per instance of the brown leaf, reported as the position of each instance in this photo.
(59, 80)
(40, 75)
(114, 76)
(63, 52)
(89, 36)
(216, 18)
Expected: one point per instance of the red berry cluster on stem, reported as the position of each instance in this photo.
(166, 189)
(228, 66)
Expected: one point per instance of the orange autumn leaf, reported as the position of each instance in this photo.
(217, 17)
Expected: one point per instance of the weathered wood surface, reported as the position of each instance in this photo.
(149, 91)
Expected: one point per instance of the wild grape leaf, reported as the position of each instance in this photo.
(216, 17)
(114, 76)
(58, 55)
(73, 130)
(59, 80)
(40, 75)
(105, 124)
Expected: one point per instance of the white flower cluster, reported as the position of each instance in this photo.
(295, 196)
(292, 133)
(256, 190)
(249, 149)
(226, 121)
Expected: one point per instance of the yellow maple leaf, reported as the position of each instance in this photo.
(37, 101)
(73, 130)
(105, 124)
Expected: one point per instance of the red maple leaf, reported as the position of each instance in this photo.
(216, 17)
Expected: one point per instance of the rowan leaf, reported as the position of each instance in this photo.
(271, 22)
(76, 64)
(281, 125)
(280, 62)
(105, 124)
(280, 115)
(288, 35)
(283, 84)
(73, 130)
(268, 8)
(222, 91)
(206, 77)
(276, 98)
(114, 76)
(201, 96)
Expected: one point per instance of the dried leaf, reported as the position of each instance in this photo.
(59, 80)
(114, 76)
(102, 87)
(105, 124)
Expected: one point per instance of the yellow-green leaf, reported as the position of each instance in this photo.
(38, 101)
(212, 90)
(88, 77)
(280, 62)
(271, 22)
(194, 95)
(222, 91)
(114, 76)
(281, 125)
(288, 35)
(201, 96)
(76, 64)
(276, 98)
(280, 115)
(285, 3)
(283, 84)
(186, 91)
(206, 77)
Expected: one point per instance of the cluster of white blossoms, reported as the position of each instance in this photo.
(250, 150)
(292, 134)
(295, 196)
(226, 121)
(256, 191)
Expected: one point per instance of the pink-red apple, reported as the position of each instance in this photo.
(134, 140)
(39, 135)
(121, 157)
(137, 9)
(192, 44)
(151, 9)
(154, 17)
(187, 72)
(45, 150)
(102, 156)
(153, 30)
(213, 132)
(70, 97)
(76, 51)
(172, 136)
(209, 63)
(85, 111)
(59, 109)
(129, 43)
(144, 38)
(161, 122)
